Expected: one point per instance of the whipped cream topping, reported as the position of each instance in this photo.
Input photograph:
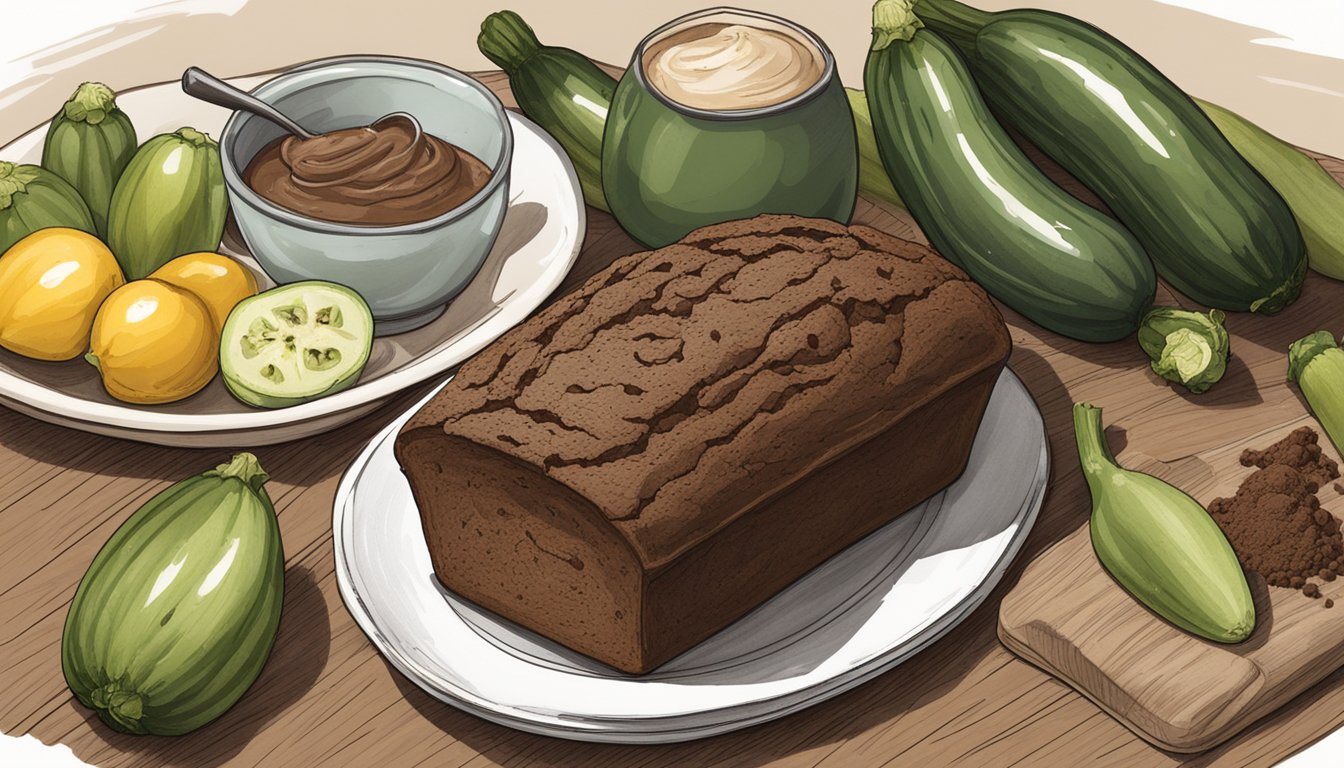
(723, 67)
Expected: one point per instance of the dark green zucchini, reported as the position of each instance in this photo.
(33, 198)
(1217, 231)
(564, 92)
(89, 143)
(983, 204)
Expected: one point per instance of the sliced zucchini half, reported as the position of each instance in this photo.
(295, 343)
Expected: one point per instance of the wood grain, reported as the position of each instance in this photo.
(1068, 616)
(327, 698)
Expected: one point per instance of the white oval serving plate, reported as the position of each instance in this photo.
(856, 616)
(541, 237)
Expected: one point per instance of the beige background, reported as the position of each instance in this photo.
(1210, 57)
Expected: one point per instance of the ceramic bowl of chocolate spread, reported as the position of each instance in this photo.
(404, 217)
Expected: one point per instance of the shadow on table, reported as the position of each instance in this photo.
(298, 462)
(297, 659)
(63, 447)
(1066, 505)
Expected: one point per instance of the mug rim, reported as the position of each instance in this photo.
(812, 91)
(228, 140)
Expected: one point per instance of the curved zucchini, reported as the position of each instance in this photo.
(1216, 230)
(564, 92)
(983, 204)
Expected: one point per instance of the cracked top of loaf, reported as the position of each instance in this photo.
(684, 386)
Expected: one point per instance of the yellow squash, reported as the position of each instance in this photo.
(216, 279)
(154, 343)
(51, 283)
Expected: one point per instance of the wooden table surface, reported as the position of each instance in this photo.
(327, 698)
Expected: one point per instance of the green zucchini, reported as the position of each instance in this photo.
(1216, 230)
(169, 201)
(1314, 196)
(1160, 544)
(33, 198)
(1316, 365)
(89, 143)
(560, 89)
(983, 204)
(178, 612)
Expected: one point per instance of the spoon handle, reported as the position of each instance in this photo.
(206, 87)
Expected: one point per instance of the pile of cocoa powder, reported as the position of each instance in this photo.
(1275, 522)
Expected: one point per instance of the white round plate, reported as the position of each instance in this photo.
(856, 616)
(542, 233)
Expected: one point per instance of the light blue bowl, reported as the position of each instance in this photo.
(407, 273)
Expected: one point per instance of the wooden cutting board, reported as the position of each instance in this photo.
(1069, 617)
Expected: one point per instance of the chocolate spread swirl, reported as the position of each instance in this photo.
(381, 176)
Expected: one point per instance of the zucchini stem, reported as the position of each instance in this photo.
(13, 180)
(1093, 452)
(1285, 294)
(91, 103)
(1305, 349)
(118, 708)
(245, 467)
(956, 21)
(894, 20)
(194, 137)
(507, 40)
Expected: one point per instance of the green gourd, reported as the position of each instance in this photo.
(169, 201)
(564, 92)
(1160, 544)
(33, 198)
(1187, 348)
(295, 343)
(178, 612)
(89, 143)
(873, 181)
(1316, 364)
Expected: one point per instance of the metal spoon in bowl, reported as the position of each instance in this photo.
(206, 87)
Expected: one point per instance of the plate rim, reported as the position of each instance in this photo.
(594, 729)
(40, 400)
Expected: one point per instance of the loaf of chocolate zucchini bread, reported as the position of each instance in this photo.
(694, 428)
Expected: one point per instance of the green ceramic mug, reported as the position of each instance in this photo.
(669, 167)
